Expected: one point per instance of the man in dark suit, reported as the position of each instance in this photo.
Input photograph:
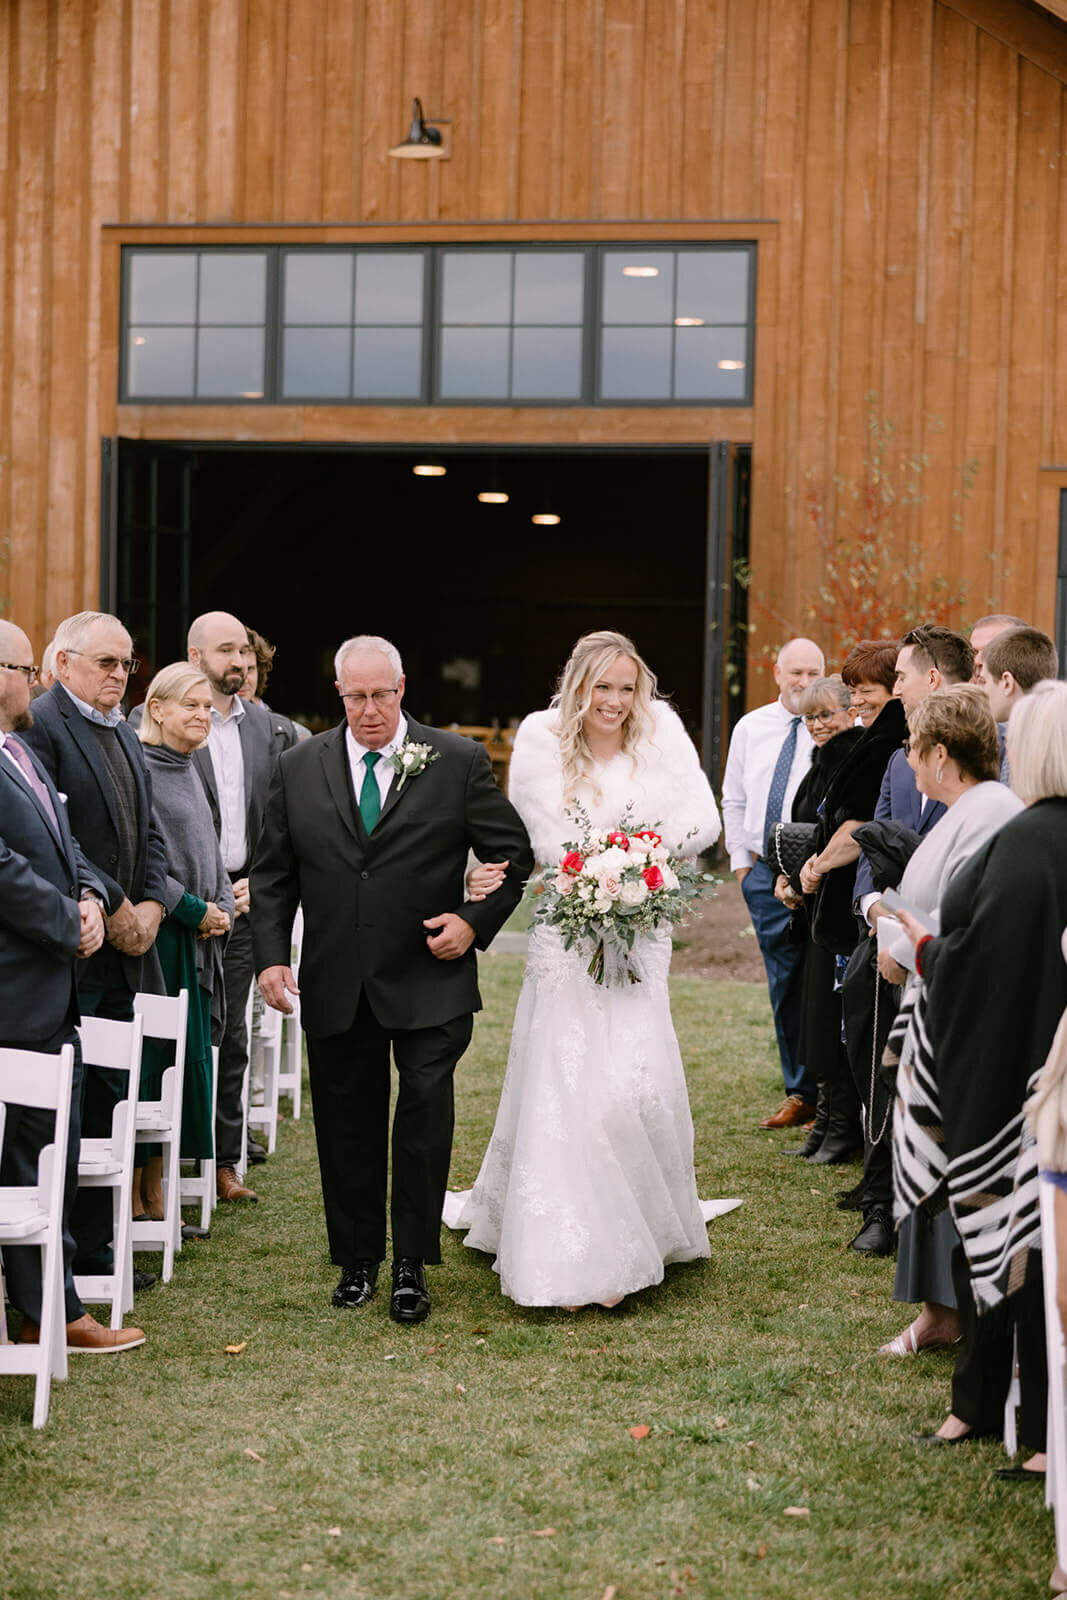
(235, 767)
(94, 757)
(930, 657)
(369, 827)
(50, 917)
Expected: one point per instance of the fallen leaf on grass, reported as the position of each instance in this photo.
(609, 1592)
(235, 1349)
(432, 1349)
(544, 1533)
(797, 1511)
(641, 1431)
(816, 1191)
(497, 1538)
(270, 1508)
(285, 1594)
(305, 1566)
(479, 1330)
(721, 1423)
(253, 1455)
(461, 1388)
(601, 1350)
(333, 1533)
(479, 1341)
(751, 1483)
(391, 1358)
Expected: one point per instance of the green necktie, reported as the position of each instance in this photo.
(370, 799)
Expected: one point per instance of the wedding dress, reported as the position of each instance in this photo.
(587, 1189)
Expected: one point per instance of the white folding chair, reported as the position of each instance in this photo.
(269, 1039)
(160, 1122)
(291, 1066)
(240, 1166)
(107, 1163)
(198, 1188)
(1056, 1469)
(32, 1215)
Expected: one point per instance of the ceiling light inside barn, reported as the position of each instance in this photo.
(689, 322)
(640, 272)
(429, 469)
(732, 366)
(493, 497)
(545, 519)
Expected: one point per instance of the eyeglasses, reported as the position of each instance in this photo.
(381, 697)
(822, 716)
(109, 663)
(31, 674)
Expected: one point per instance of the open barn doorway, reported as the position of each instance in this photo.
(311, 544)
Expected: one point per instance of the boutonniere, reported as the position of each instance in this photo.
(409, 759)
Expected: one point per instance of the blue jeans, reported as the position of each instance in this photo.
(784, 962)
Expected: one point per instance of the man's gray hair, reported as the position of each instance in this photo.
(365, 644)
(73, 631)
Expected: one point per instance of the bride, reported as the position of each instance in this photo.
(587, 1188)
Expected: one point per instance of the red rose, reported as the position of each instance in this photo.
(619, 839)
(653, 877)
(572, 863)
(650, 838)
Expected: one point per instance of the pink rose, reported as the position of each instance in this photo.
(610, 884)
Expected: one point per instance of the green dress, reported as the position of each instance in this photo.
(176, 949)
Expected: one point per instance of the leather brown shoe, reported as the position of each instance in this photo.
(228, 1186)
(792, 1113)
(88, 1337)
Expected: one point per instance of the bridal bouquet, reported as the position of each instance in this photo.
(611, 886)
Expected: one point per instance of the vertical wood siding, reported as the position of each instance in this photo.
(909, 151)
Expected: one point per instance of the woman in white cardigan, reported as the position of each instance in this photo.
(587, 1189)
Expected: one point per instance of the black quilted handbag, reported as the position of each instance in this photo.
(788, 847)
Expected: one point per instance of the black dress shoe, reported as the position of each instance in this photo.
(356, 1286)
(876, 1237)
(411, 1299)
(255, 1153)
(190, 1232)
(143, 1280)
(1020, 1474)
(851, 1199)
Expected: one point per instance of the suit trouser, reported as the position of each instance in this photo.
(784, 963)
(237, 973)
(93, 1216)
(984, 1365)
(350, 1091)
(26, 1132)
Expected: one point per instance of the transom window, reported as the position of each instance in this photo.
(454, 325)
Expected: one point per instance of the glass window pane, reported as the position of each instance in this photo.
(547, 364)
(315, 362)
(710, 364)
(389, 287)
(318, 288)
(160, 361)
(162, 286)
(233, 288)
(713, 284)
(477, 286)
(549, 287)
(388, 363)
(474, 363)
(230, 362)
(638, 286)
(635, 364)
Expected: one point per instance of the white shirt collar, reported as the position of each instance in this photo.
(237, 711)
(108, 719)
(357, 751)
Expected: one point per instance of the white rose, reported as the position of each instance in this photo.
(408, 758)
(633, 892)
(670, 881)
(586, 891)
(602, 903)
(610, 863)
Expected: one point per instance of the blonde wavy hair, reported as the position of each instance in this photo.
(169, 683)
(591, 657)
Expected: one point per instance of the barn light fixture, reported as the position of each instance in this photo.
(425, 141)
(689, 322)
(732, 366)
(545, 519)
(640, 272)
(429, 469)
(493, 497)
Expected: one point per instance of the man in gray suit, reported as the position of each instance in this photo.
(235, 767)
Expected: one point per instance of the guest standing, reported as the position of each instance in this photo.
(770, 752)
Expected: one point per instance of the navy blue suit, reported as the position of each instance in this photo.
(42, 874)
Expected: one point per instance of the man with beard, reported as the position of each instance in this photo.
(235, 767)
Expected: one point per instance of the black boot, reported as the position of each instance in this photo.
(876, 1237)
(844, 1140)
(818, 1132)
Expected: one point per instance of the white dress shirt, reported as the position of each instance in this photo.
(383, 770)
(227, 759)
(750, 764)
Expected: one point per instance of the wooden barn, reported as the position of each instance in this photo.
(747, 316)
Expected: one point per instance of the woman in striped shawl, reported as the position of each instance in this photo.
(996, 988)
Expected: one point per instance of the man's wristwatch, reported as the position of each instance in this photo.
(91, 894)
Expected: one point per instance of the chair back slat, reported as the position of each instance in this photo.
(31, 1078)
(164, 1015)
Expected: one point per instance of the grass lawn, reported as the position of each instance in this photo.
(488, 1453)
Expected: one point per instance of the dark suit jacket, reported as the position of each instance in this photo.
(899, 799)
(41, 877)
(68, 750)
(365, 896)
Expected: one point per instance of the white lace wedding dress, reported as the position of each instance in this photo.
(587, 1189)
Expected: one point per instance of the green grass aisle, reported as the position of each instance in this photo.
(489, 1452)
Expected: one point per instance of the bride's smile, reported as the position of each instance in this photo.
(611, 698)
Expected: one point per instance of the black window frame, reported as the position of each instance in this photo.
(591, 328)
